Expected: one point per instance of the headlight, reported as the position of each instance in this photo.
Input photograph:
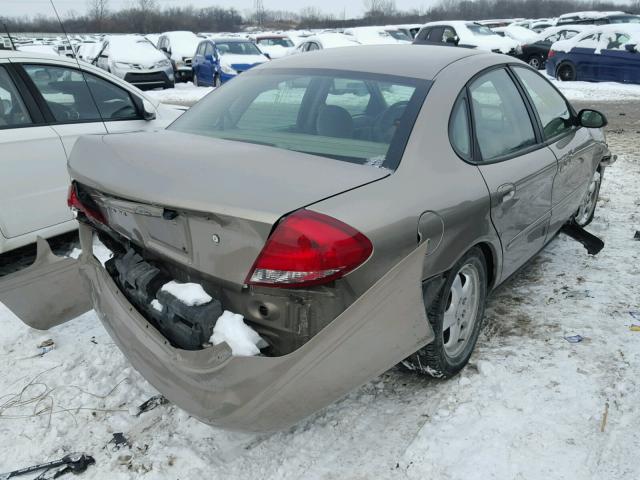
(122, 65)
(179, 63)
(163, 64)
(227, 69)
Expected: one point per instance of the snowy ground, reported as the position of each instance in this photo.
(186, 94)
(530, 405)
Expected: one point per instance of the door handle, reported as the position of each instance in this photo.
(506, 192)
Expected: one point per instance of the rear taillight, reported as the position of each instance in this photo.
(552, 53)
(75, 204)
(309, 248)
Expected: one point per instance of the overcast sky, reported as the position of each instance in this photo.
(350, 7)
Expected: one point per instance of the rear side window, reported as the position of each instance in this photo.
(459, 132)
(67, 96)
(13, 112)
(500, 117)
(552, 109)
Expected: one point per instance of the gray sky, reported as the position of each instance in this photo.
(352, 8)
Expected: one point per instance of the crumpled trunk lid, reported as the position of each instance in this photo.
(207, 203)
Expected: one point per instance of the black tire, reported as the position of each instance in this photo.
(195, 80)
(216, 81)
(583, 221)
(566, 72)
(433, 360)
(171, 84)
(536, 61)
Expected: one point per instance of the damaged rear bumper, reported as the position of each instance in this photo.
(381, 328)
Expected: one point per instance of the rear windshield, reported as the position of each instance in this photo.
(347, 116)
(238, 48)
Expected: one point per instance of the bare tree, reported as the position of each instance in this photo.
(98, 10)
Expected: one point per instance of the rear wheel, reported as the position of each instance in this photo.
(216, 81)
(586, 211)
(566, 72)
(456, 318)
(535, 61)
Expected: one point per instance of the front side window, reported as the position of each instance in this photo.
(448, 35)
(13, 112)
(552, 109)
(316, 112)
(502, 123)
(480, 30)
(617, 41)
(67, 96)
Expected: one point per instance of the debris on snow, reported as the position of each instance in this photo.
(241, 338)
(119, 441)
(191, 294)
(574, 339)
(637, 235)
(150, 404)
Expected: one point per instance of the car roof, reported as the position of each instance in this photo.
(416, 61)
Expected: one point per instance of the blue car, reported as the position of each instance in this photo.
(605, 54)
(206, 65)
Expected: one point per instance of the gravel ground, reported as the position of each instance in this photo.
(529, 406)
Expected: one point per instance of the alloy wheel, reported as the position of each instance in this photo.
(588, 204)
(461, 313)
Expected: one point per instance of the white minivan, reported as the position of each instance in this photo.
(46, 103)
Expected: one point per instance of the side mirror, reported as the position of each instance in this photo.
(592, 119)
(631, 48)
(148, 112)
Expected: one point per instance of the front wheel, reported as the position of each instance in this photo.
(586, 211)
(195, 80)
(566, 72)
(456, 318)
(216, 81)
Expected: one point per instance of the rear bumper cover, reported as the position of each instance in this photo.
(384, 326)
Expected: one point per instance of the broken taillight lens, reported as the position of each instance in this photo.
(74, 203)
(309, 248)
(552, 53)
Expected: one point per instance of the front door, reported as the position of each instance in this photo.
(516, 167)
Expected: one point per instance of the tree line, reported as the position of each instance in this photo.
(145, 16)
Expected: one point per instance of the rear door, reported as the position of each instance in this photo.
(516, 167)
(574, 147)
(33, 178)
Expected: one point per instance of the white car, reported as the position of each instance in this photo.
(41, 49)
(180, 47)
(134, 59)
(466, 34)
(520, 34)
(274, 45)
(46, 103)
(372, 36)
(326, 40)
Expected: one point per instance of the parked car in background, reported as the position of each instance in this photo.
(535, 53)
(521, 35)
(603, 54)
(46, 103)
(88, 51)
(466, 34)
(373, 36)
(134, 59)
(42, 49)
(179, 47)
(275, 46)
(596, 18)
(280, 213)
(399, 34)
(206, 65)
(237, 55)
(323, 41)
(410, 30)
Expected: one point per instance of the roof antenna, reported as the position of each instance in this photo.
(75, 56)
(6, 29)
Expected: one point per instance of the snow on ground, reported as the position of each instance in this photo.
(184, 94)
(604, 91)
(531, 405)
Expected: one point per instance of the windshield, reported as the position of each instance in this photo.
(480, 29)
(238, 48)
(625, 19)
(272, 42)
(348, 116)
(398, 35)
